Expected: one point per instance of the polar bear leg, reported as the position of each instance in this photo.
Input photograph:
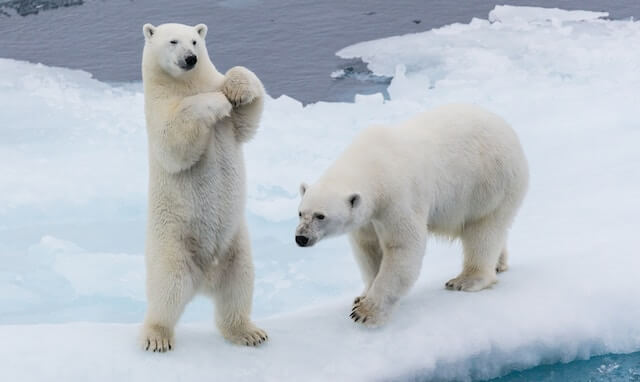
(168, 291)
(232, 290)
(503, 265)
(368, 253)
(483, 243)
(245, 91)
(403, 243)
(246, 119)
(241, 86)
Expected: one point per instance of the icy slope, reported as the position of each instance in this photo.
(435, 334)
(72, 205)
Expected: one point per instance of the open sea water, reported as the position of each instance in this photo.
(290, 44)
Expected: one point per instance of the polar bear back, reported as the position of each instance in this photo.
(456, 163)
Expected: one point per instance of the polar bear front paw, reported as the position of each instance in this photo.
(241, 86)
(368, 313)
(470, 283)
(207, 107)
(249, 335)
(157, 338)
(216, 107)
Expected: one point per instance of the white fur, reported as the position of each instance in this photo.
(457, 171)
(197, 240)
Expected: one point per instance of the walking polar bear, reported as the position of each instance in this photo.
(458, 171)
(197, 239)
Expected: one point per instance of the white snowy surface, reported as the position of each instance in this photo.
(511, 14)
(72, 207)
(435, 334)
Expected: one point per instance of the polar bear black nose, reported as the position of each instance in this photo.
(302, 240)
(191, 61)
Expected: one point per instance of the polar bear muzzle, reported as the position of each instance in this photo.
(189, 62)
(301, 240)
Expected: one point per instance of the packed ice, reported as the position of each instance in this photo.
(73, 194)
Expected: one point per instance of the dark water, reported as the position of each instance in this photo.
(609, 368)
(290, 44)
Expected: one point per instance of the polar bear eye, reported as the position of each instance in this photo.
(173, 42)
(319, 216)
(194, 42)
(300, 214)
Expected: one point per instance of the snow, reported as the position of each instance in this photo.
(439, 334)
(73, 193)
(511, 14)
(436, 334)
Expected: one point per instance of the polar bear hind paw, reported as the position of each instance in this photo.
(250, 336)
(470, 283)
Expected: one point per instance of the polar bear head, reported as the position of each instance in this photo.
(325, 212)
(175, 49)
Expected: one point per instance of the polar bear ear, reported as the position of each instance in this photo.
(201, 29)
(148, 30)
(303, 188)
(354, 200)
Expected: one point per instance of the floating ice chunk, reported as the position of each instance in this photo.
(519, 15)
(337, 74)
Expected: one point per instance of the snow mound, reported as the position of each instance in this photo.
(435, 335)
(73, 195)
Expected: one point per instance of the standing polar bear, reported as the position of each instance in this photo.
(197, 239)
(458, 171)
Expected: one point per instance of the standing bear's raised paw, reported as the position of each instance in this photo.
(208, 107)
(368, 313)
(241, 86)
(156, 338)
(248, 335)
